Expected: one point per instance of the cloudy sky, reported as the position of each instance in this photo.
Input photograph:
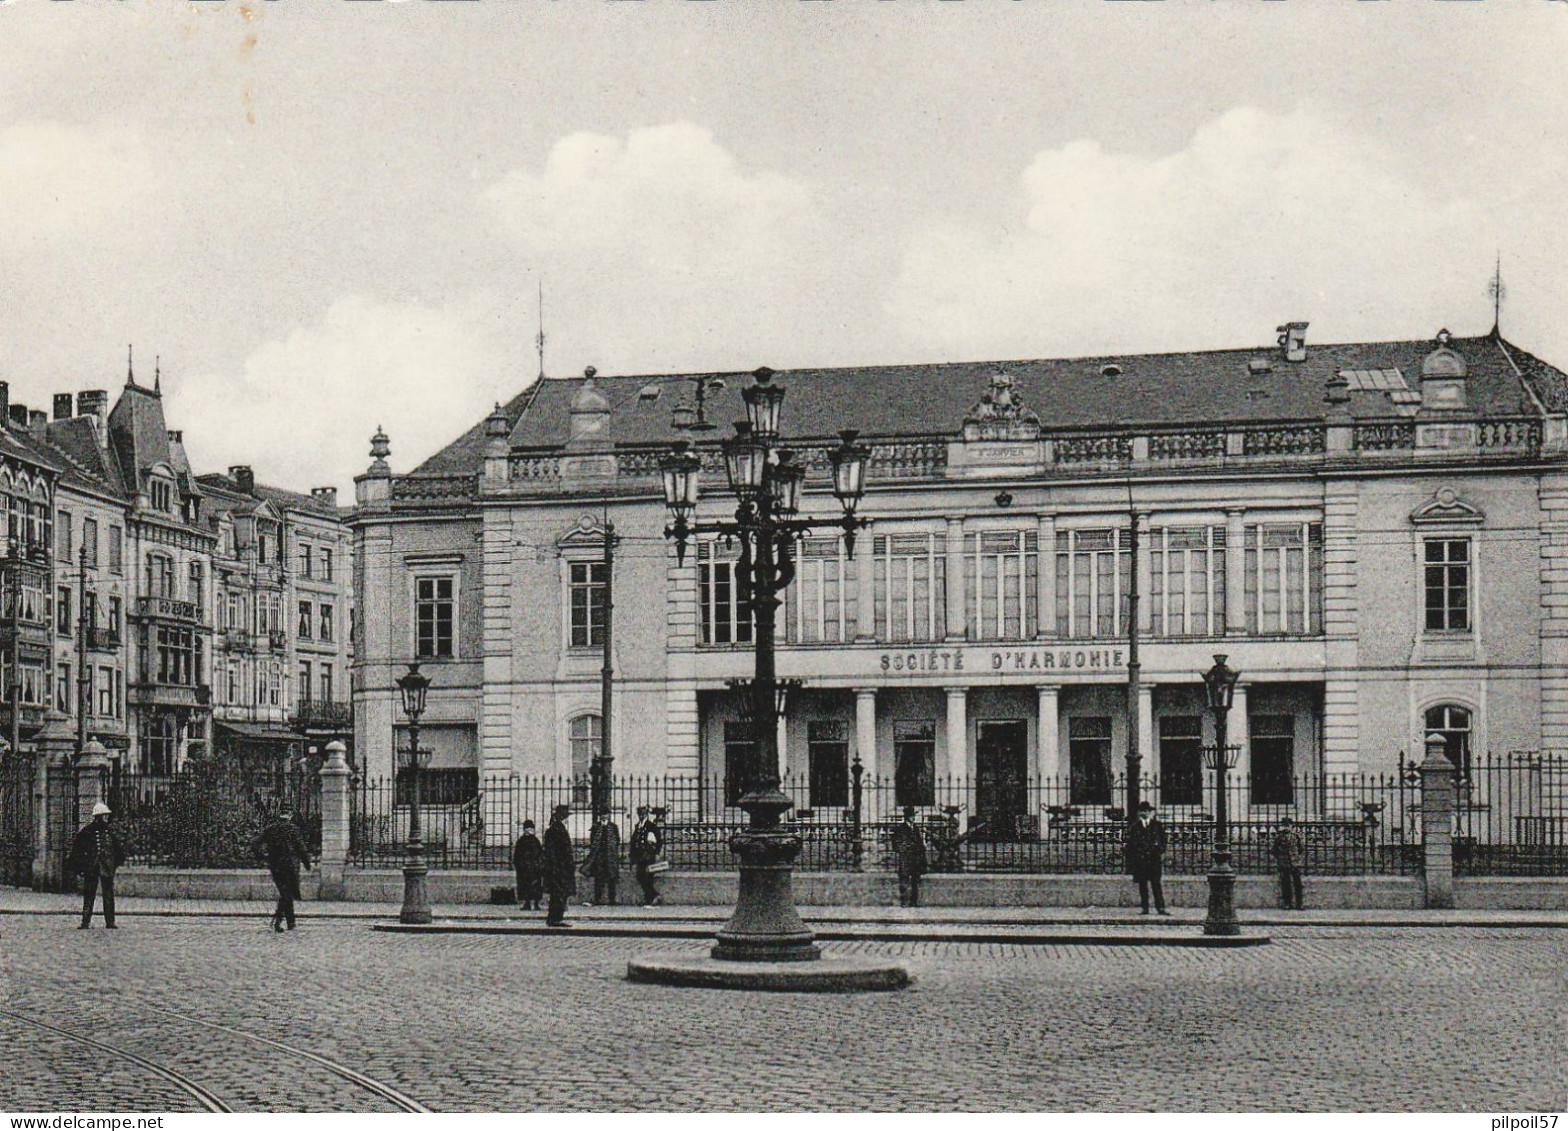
(325, 215)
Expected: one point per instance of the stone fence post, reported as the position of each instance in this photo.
(54, 786)
(92, 779)
(335, 802)
(1437, 823)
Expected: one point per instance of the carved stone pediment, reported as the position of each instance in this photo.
(586, 531)
(999, 414)
(1447, 508)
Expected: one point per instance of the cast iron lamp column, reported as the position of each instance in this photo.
(765, 927)
(416, 905)
(1220, 683)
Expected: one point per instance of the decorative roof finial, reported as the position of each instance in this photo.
(539, 337)
(380, 445)
(130, 364)
(157, 375)
(1497, 292)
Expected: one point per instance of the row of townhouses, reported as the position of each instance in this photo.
(166, 614)
(1376, 534)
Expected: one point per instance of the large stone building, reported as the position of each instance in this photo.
(1376, 534)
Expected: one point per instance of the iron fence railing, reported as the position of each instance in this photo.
(209, 815)
(1352, 824)
(1511, 816)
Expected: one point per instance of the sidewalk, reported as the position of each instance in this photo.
(857, 922)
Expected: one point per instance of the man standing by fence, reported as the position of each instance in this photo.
(604, 860)
(909, 852)
(285, 851)
(560, 870)
(96, 853)
(1146, 857)
(1289, 853)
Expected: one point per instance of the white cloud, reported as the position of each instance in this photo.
(425, 373)
(1261, 218)
(666, 247)
(58, 180)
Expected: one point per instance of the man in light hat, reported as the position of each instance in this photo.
(1146, 856)
(95, 855)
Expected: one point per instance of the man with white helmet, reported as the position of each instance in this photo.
(95, 855)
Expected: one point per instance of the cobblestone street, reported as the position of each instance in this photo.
(1326, 1018)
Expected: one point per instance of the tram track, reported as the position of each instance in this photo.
(208, 1099)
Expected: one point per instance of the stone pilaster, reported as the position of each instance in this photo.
(92, 780)
(954, 595)
(957, 733)
(1048, 731)
(1341, 631)
(682, 734)
(1554, 615)
(1235, 572)
(495, 711)
(1045, 585)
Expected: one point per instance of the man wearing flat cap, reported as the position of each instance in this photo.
(96, 853)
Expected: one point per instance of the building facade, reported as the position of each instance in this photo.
(140, 599)
(1374, 534)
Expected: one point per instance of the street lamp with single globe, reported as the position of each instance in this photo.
(416, 905)
(766, 483)
(1220, 684)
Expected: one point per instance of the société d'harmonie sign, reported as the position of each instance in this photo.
(936, 661)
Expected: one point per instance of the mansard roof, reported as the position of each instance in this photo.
(1149, 391)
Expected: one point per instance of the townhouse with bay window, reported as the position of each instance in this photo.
(1373, 533)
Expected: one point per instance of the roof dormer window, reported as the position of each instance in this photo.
(162, 495)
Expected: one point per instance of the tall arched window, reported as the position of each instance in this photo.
(1453, 723)
(587, 739)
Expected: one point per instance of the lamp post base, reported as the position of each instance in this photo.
(765, 926)
(1221, 919)
(416, 905)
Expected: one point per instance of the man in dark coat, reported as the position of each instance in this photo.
(1146, 856)
(604, 860)
(646, 847)
(96, 853)
(284, 850)
(1289, 852)
(528, 863)
(560, 871)
(909, 849)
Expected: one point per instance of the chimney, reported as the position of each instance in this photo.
(1293, 340)
(176, 436)
(19, 415)
(62, 406)
(244, 478)
(5, 401)
(92, 402)
(37, 420)
(325, 495)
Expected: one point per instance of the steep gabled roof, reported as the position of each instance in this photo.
(138, 435)
(74, 442)
(1154, 391)
(280, 498)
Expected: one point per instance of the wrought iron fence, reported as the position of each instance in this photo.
(209, 814)
(1352, 824)
(18, 832)
(1511, 816)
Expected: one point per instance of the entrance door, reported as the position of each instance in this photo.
(1001, 794)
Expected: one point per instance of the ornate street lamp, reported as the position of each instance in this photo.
(766, 483)
(416, 905)
(1220, 684)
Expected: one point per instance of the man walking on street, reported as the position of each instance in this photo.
(909, 849)
(560, 871)
(96, 854)
(1289, 852)
(1146, 856)
(284, 850)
